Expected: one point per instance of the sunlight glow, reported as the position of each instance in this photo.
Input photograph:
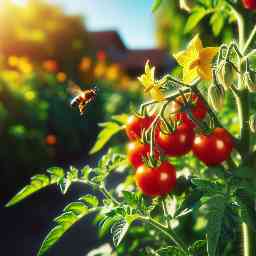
(20, 2)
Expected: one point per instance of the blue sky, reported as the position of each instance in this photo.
(131, 18)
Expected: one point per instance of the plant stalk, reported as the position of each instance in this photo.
(248, 240)
(249, 40)
(242, 102)
(165, 231)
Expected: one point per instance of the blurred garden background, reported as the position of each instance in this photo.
(43, 46)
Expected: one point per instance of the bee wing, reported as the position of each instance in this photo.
(74, 89)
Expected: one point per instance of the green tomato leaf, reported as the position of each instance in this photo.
(207, 186)
(106, 223)
(198, 247)
(122, 118)
(216, 209)
(109, 130)
(66, 181)
(72, 213)
(217, 21)
(171, 250)
(119, 230)
(197, 15)
(56, 173)
(244, 172)
(246, 208)
(37, 183)
(85, 171)
(91, 200)
(155, 5)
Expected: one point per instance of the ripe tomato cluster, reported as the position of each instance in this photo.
(212, 149)
(249, 4)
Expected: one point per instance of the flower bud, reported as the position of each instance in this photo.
(252, 123)
(225, 75)
(187, 5)
(216, 96)
(250, 80)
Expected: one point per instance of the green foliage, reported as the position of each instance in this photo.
(171, 250)
(72, 213)
(109, 129)
(197, 248)
(216, 208)
(37, 183)
(221, 196)
(197, 15)
(156, 4)
(90, 199)
(217, 22)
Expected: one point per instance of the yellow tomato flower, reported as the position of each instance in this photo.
(196, 60)
(150, 84)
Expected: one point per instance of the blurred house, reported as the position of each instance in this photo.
(131, 61)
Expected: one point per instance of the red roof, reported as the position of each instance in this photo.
(137, 58)
(132, 61)
(105, 39)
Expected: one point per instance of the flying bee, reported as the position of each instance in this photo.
(81, 97)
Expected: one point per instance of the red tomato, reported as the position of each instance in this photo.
(137, 151)
(136, 124)
(198, 110)
(177, 143)
(157, 181)
(215, 148)
(249, 4)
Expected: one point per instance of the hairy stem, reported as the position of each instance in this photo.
(247, 240)
(249, 40)
(240, 26)
(165, 231)
(166, 213)
(242, 102)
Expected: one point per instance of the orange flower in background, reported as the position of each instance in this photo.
(112, 72)
(85, 64)
(24, 65)
(51, 139)
(50, 66)
(61, 77)
(101, 55)
(13, 61)
(100, 70)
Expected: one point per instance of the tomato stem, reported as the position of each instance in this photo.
(164, 205)
(247, 240)
(240, 25)
(242, 102)
(165, 231)
(249, 40)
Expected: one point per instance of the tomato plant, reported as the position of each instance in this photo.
(209, 110)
